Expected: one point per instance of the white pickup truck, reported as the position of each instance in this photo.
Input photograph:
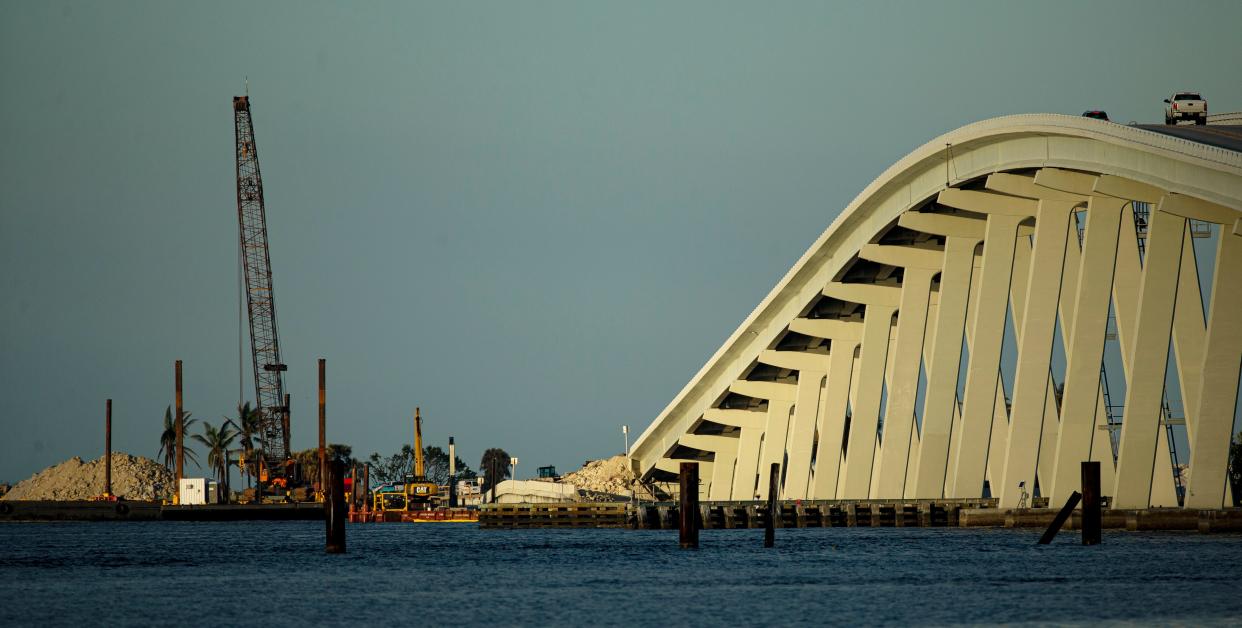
(1185, 106)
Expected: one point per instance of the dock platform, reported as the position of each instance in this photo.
(439, 515)
(977, 513)
(555, 515)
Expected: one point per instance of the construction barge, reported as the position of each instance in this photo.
(439, 515)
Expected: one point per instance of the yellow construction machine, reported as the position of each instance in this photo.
(415, 492)
(420, 494)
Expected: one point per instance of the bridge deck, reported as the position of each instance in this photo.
(1228, 137)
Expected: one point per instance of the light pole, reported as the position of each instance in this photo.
(513, 471)
(629, 466)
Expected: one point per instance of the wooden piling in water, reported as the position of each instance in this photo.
(1059, 521)
(334, 508)
(1091, 514)
(108, 449)
(323, 458)
(180, 428)
(689, 505)
(769, 530)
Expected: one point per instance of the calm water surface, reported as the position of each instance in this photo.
(225, 574)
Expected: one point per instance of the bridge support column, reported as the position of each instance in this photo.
(1149, 356)
(855, 482)
(780, 412)
(729, 477)
(747, 474)
(725, 465)
(1127, 282)
(811, 385)
(907, 355)
(987, 335)
(1081, 397)
(1209, 451)
(942, 368)
(832, 420)
(1035, 349)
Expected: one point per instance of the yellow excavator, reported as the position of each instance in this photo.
(420, 494)
(415, 492)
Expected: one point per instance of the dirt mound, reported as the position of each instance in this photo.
(133, 477)
(609, 475)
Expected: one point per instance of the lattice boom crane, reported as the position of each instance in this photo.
(261, 304)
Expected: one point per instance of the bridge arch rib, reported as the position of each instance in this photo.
(877, 367)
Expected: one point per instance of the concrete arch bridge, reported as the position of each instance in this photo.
(1010, 299)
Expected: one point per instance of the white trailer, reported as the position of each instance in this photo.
(197, 491)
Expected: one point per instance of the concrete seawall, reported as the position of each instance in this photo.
(13, 510)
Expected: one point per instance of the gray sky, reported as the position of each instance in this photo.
(534, 220)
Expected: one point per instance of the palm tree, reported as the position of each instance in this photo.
(494, 466)
(168, 440)
(308, 460)
(217, 442)
(246, 426)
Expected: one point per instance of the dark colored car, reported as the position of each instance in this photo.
(1095, 113)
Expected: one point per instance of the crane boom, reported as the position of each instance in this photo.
(420, 470)
(261, 304)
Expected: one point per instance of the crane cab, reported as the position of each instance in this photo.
(421, 494)
(388, 498)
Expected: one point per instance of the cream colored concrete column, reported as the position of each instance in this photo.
(812, 370)
(916, 443)
(832, 401)
(1140, 429)
(1035, 348)
(1050, 434)
(1189, 333)
(1125, 305)
(1209, 448)
(942, 369)
(999, 441)
(987, 337)
(780, 412)
(912, 466)
(855, 482)
(1126, 286)
(1102, 445)
(998, 449)
(746, 471)
(888, 382)
(721, 470)
(1048, 185)
(780, 397)
(955, 437)
(746, 465)
(1125, 302)
(1103, 186)
(1045, 462)
(920, 267)
(1085, 350)
(1189, 336)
